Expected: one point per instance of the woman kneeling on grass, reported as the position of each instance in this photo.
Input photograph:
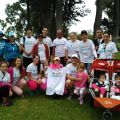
(34, 74)
(4, 83)
(17, 75)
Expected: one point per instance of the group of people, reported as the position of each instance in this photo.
(58, 67)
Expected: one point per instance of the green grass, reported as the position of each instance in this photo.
(41, 107)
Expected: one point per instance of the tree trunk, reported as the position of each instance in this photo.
(116, 20)
(98, 17)
(59, 14)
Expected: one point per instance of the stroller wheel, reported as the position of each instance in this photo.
(107, 115)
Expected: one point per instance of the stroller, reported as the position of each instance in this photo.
(109, 104)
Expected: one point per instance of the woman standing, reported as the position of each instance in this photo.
(11, 49)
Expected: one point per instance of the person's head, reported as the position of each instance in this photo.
(1, 34)
(56, 60)
(45, 31)
(74, 59)
(117, 79)
(106, 37)
(81, 67)
(72, 36)
(18, 63)
(11, 36)
(36, 61)
(59, 34)
(40, 38)
(29, 32)
(3, 66)
(84, 35)
(102, 77)
(99, 33)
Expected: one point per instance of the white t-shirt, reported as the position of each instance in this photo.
(4, 78)
(29, 43)
(41, 52)
(32, 68)
(70, 69)
(47, 41)
(16, 76)
(72, 47)
(56, 81)
(59, 46)
(87, 51)
(106, 51)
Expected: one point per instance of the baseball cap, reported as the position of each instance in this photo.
(10, 34)
(56, 58)
(74, 56)
(1, 33)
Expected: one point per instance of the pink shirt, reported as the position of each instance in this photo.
(84, 78)
(56, 66)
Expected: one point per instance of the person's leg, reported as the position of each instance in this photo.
(4, 94)
(87, 66)
(81, 92)
(32, 85)
(102, 91)
(17, 90)
(22, 83)
(43, 84)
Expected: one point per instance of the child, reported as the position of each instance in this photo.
(56, 79)
(100, 85)
(56, 63)
(17, 75)
(81, 85)
(4, 83)
(115, 88)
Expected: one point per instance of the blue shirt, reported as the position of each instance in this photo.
(11, 51)
(2, 46)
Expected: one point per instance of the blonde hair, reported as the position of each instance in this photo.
(81, 65)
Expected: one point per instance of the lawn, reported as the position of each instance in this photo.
(41, 107)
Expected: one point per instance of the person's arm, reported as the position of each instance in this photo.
(30, 76)
(93, 50)
(53, 52)
(114, 51)
(72, 78)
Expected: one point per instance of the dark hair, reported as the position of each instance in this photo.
(28, 28)
(39, 64)
(3, 63)
(102, 75)
(21, 66)
(84, 32)
(117, 75)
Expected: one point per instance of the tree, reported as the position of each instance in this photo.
(98, 16)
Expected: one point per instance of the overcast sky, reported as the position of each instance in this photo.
(86, 23)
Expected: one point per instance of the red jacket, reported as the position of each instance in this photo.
(35, 51)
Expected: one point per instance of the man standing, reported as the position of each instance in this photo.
(87, 50)
(27, 42)
(47, 40)
(99, 39)
(58, 46)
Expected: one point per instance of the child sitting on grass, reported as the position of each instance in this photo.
(4, 84)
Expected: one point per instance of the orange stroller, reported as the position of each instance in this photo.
(109, 104)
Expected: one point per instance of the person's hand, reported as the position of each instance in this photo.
(96, 89)
(39, 81)
(78, 79)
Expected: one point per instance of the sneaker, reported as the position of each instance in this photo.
(7, 104)
(69, 97)
(81, 101)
